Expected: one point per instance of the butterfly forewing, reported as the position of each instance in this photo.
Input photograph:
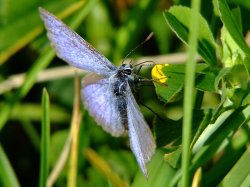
(101, 103)
(141, 139)
(73, 49)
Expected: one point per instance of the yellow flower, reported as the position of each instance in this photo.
(158, 75)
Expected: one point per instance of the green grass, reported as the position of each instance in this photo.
(45, 140)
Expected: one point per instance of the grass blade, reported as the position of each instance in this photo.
(188, 93)
(239, 172)
(45, 138)
(101, 165)
(75, 125)
(7, 176)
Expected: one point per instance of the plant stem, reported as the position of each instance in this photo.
(188, 93)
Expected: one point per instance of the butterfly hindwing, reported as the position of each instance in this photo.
(100, 101)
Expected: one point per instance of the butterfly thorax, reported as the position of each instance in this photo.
(123, 77)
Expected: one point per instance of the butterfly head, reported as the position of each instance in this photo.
(125, 70)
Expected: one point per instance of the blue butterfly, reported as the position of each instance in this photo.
(106, 93)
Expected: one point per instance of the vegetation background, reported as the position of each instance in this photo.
(45, 139)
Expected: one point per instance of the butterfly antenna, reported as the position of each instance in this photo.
(148, 38)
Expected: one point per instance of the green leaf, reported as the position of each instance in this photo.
(234, 80)
(173, 158)
(175, 80)
(243, 3)
(231, 25)
(211, 139)
(238, 76)
(246, 100)
(178, 18)
(7, 176)
(203, 124)
(205, 78)
(222, 73)
(45, 140)
(205, 82)
(232, 53)
(239, 174)
(232, 151)
(160, 173)
(167, 132)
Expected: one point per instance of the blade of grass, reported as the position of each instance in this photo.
(197, 178)
(188, 93)
(210, 147)
(160, 173)
(239, 172)
(102, 166)
(45, 139)
(231, 25)
(7, 174)
(238, 118)
(228, 155)
(75, 124)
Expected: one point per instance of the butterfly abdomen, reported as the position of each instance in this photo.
(119, 92)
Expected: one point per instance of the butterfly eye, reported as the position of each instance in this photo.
(128, 71)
